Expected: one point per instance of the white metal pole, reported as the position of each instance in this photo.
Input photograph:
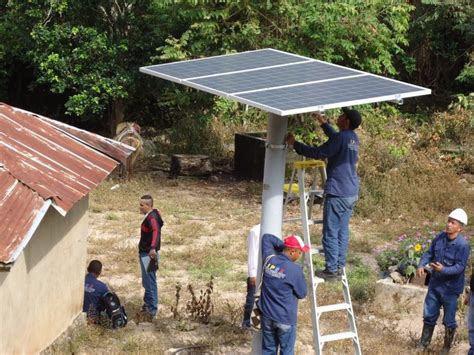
(272, 196)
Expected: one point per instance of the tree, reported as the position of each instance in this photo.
(441, 41)
(89, 51)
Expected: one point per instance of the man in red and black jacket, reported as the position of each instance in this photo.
(148, 249)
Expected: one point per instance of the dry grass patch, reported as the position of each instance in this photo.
(205, 232)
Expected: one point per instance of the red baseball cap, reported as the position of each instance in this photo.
(295, 242)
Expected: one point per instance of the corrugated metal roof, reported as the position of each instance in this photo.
(112, 148)
(40, 160)
(19, 206)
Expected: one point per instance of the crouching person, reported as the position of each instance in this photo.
(283, 284)
(447, 258)
(101, 305)
(94, 289)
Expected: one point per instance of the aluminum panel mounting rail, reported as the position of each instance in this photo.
(283, 83)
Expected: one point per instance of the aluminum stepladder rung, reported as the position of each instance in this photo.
(306, 204)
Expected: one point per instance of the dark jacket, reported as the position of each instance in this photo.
(93, 290)
(342, 152)
(453, 254)
(150, 236)
(282, 285)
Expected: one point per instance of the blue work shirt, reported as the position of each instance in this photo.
(342, 152)
(93, 290)
(453, 254)
(282, 285)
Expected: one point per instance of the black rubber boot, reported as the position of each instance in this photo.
(448, 340)
(425, 336)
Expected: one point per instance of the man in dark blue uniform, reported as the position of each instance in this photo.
(94, 289)
(446, 258)
(283, 284)
(342, 186)
(148, 249)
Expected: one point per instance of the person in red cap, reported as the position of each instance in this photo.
(341, 190)
(283, 284)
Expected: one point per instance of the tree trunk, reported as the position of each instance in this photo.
(116, 114)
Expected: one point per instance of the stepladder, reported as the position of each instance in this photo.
(307, 197)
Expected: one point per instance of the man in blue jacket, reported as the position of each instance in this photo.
(283, 284)
(94, 289)
(342, 186)
(446, 258)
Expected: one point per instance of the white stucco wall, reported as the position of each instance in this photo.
(43, 292)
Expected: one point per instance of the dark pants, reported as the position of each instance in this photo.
(249, 302)
(433, 303)
(277, 335)
(336, 215)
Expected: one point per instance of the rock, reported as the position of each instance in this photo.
(392, 268)
(395, 298)
(397, 277)
(419, 281)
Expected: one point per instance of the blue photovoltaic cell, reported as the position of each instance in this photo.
(225, 63)
(272, 77)
(330, 92)
(283, 83)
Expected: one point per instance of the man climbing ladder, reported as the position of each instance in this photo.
(306, 219)
(342, 186)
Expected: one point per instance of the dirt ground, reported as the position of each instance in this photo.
(206, 224)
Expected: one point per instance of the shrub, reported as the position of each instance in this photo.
(404, 253)
(361, 279)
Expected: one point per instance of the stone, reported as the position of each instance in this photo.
(392, 268)
(419, 281)
(397, 277)
(392, 298)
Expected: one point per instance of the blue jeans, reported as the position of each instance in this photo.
(336, 215)
(433, 302)
(249, 302)
(470, 324)
(150, 299)
(276, 335)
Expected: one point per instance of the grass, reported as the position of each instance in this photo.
(205, 231)
(361, 280)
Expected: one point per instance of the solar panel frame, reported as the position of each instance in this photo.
(204, 82)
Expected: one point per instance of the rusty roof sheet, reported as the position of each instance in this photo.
(41, 160)
(110, 147)
(19, 207)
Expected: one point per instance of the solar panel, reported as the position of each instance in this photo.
(284, 83)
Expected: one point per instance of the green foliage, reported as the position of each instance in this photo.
(195, 135)
(362, 280)
(464, 102)
(338, 32)
(441, 36)
(366, 35)
(82, 60)
(404, 253)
